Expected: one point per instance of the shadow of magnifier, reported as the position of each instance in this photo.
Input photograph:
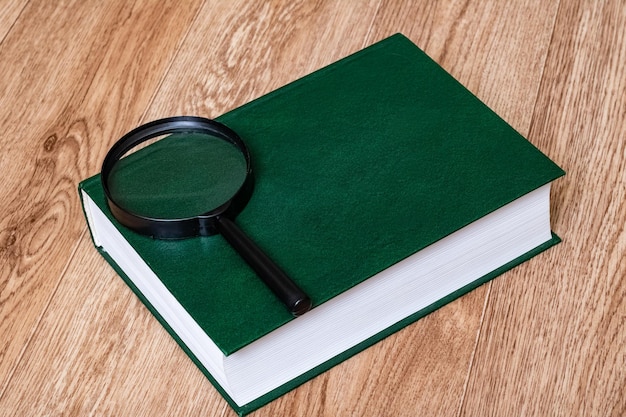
(160, 191)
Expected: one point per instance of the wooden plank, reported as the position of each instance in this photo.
(554, 342)
(9, 12)
(252, 49)
(75, 75)
(99, 352)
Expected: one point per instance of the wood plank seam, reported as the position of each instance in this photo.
(470, 365)
(8, 31)
(42, 315)
(367, 40)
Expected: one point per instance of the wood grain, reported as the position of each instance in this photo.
(544, 339)
(9, 11)
(106, 355)
(73, 84)
(248, 50)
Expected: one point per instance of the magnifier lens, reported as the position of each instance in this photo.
(188, 176)
(179, 175)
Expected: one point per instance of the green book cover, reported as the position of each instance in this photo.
(357, 166)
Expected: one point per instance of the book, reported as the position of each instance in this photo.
(383, 187)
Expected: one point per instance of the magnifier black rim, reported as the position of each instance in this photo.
(174, 228)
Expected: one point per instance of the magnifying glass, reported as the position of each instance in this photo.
(194, 182)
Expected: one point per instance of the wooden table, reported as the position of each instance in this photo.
(548, 338)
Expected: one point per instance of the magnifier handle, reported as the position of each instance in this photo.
(285, 289)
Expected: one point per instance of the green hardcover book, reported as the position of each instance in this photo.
(384, 189)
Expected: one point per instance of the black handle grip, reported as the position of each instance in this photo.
(285, 289)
